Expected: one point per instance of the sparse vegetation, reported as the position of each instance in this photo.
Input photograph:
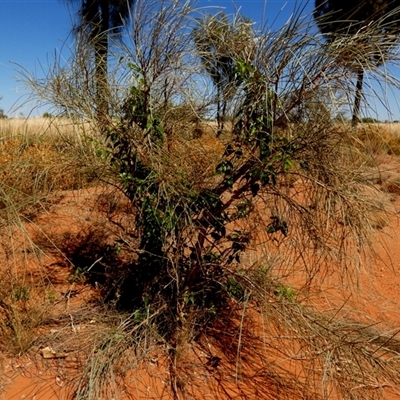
(369, 120)
(196, 234)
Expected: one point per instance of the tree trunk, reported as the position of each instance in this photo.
(223, 114)
(219, 121)
(101, 45)
(357, 100)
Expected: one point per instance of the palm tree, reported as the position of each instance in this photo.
(220, 44)
(372, 27)
(97, 19)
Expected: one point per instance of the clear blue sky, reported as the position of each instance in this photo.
(33, 32)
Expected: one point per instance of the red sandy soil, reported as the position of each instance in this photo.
(73, 314)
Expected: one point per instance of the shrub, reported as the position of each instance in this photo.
(200, 209)
(369, 120)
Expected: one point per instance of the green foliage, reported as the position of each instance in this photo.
(51, 296)
(143, 313)
(21, 294)
(168, 206)
(187, 216)
(78, 275)
(369, 120)
(278, 225)
(235, 289)
(253, 120)
(244, 208)
(286, 292)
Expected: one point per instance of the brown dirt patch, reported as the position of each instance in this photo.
(239, 357)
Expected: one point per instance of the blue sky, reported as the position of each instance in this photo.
(33, 32)
(30, 34)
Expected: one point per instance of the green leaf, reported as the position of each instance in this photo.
(224, 167)
(288, 165)
(264, 178)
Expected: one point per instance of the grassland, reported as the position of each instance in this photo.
(67, 230)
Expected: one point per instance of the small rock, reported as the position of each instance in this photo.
(48, 353)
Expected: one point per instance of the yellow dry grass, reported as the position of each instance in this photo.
(392, 128)
(40, 155)
(380, 138)
(27, 127)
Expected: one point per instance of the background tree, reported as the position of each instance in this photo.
(220, 44)
(97, 20)
(344, 23)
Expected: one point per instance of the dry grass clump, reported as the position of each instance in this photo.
(392, 127)
(25, 127)
(379, 138)
(32, 165)
(193, 160)
(345, 355)
(21, 314)
(41, 164)
(37, 158)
